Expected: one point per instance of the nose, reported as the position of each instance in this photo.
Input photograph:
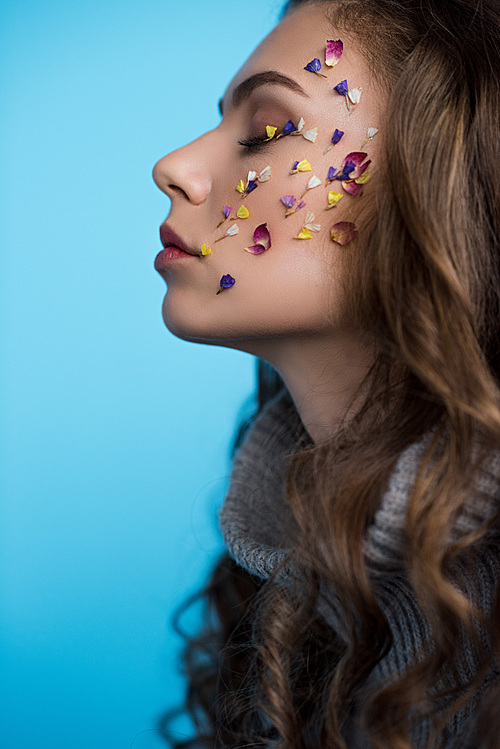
(185, 173)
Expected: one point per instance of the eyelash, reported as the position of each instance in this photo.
(253, 144)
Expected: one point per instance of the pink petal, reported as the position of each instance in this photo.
(356, 156)
(352, 188)
(256, 249)
(343, 232)
(360, 169)
(262, 237)
(334, 51)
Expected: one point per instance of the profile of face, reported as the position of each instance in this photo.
(294, 288)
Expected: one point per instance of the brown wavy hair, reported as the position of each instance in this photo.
(267, 670)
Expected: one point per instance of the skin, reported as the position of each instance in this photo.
(288, 305)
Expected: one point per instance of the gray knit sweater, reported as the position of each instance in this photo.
(252, 522)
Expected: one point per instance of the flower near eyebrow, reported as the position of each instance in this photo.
(311, 134)
(372, 131)
(333, 198)
(270, 132)
(337, 135)
(334, 51)
(313, 182)
(343, 232)
(265, 174)
(262, 239)
(301, 166)
(234, 229)
(226, 282)
(242, 212)
(314, 67)
(226, 211)
(206, 250)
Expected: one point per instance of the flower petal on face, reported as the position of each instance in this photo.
(311, 134)
(300, 125)
(226, 282)
(304, 166)
(265, 174)
(255, 249)
(343, 232)
(251, 186)
(302, 204)
(333, 199)
(372, 131)
(333, 53)
(261, 236)
(331, 174)
(308, 224)
(289, 128)
(337, 135)
(251, 176)
(360, 170)
(363, 178)
(206, 250)
(270, 132)
(304, 233)
(242, 212)
(352, 188)
(354, 95)
(313, 182)
(342, 88)
(240, 186)
(357, 157)
(234, 229)
(293, 170)
(226, 210)
(288, 201)
(314, 67)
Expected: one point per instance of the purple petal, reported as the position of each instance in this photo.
(301, 205)
(348, 167)
(261, 236)
(227, 281)
(342, 88)
(331, 174)
(251, 186)
(356, 157)
(289, 128)
(226, 210)
(295, 165)
(313, 66)
(288, 201)
(337, 136)
(256, 249)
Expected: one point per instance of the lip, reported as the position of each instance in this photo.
(174, 248)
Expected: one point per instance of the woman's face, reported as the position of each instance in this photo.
(293, 289)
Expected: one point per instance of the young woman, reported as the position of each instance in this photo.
(342, 223)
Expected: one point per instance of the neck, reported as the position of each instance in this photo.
(323, 377)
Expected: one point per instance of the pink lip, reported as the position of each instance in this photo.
(174, 248)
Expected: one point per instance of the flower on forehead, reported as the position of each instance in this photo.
(372, 131)
(337, 135)
(262, 239)
(333, 199)
(226, 210)
(226, 282)
(242, 212)
(313, 182)
(270, 132)
(265, 174)
(314, 67)
(301, 166)
(206, 250)
(233, 229)
(343, 232)
(311, 134)
(334, 51)
(298, 130)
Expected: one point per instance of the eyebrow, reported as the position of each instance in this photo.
(268, 77)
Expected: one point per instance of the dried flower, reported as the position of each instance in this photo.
(233, 229)
(206, 250)
(334, 51)
(270, 132)
(242, 212)
(265, 174)
(354, 95)
(342, 88)
(289, 128)
(337, 135)
(289, 202)
(314, 67)
(226, 282)
(309, 223)
(331, 174)
(246, 188)
(362, 179)
(352, 187)
(372, 131)
(311, 134)
(298, 130)
(343, 232)
(333, 199)
(226, 210)
(262, 239)
(304, 234)
(301, 166)
(313, 182)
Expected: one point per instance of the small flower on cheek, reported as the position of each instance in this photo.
(354, 95)
(298, 130)
(337, 135)
(262, 239)
(314, 67)
(372, 131)
(226, 282)
(226, 211)
(242, 212)
(234, 229)
(333, 199)
(206, 250)
(311, 135)
(301, 166)
(265, 174)
(289, 128)
(308, 228)
(313, 182)
(343, 232)
(334, 51)
(246, 188)
(343, 89)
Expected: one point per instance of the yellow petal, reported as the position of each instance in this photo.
(241, 186)
(304, 234)
(362, 179)
(206, 250)
(333, 198)
(243, 212)
(270, 131)
(304, 166)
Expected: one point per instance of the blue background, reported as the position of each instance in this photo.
(114, 435)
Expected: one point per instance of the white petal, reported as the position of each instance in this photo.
(300, 125)
(234, 229)
(372, 131)
(354, 95)
(265, 174)
(311, 134)
(313, 182)
(309, 217)
(251, 175)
